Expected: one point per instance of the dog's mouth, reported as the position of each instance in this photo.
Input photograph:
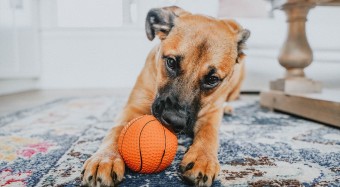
(174, 119)
(163, 122)
(170, 127)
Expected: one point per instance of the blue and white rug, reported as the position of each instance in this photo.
(47, 145)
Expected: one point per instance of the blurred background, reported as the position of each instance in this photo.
(101, 44)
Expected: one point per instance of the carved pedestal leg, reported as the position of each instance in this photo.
(296, 53)
(296, 94)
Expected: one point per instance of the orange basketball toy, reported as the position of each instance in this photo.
(146, 145)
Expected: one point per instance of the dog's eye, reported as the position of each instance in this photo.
(171, 63)
(211, 81)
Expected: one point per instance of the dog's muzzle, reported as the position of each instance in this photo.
(170, 113)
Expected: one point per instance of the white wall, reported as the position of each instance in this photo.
(103, 58)
(19, 45)
(106, 58)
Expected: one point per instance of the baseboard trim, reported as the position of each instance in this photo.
(10, 86)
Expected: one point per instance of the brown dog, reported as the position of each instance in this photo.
(184, 83)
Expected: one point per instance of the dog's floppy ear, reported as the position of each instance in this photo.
(159, 21)
(241, 34)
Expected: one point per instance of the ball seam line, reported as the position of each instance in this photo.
(160, 163)
(140, 151)
(128, 126)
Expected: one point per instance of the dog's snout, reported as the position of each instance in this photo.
(170, 112)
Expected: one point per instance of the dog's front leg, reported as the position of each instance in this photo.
(105, 167)
(200, 164)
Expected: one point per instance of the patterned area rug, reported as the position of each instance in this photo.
(46, 146)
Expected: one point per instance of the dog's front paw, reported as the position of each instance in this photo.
(199, 167)
(103, 169)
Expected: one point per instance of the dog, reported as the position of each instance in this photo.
(186, 79)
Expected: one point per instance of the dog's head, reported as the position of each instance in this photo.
(194, 63)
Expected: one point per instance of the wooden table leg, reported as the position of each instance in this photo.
(296, 53)
(295, 93)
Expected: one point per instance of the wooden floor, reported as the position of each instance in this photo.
(15, 102)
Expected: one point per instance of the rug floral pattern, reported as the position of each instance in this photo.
(46, 146)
